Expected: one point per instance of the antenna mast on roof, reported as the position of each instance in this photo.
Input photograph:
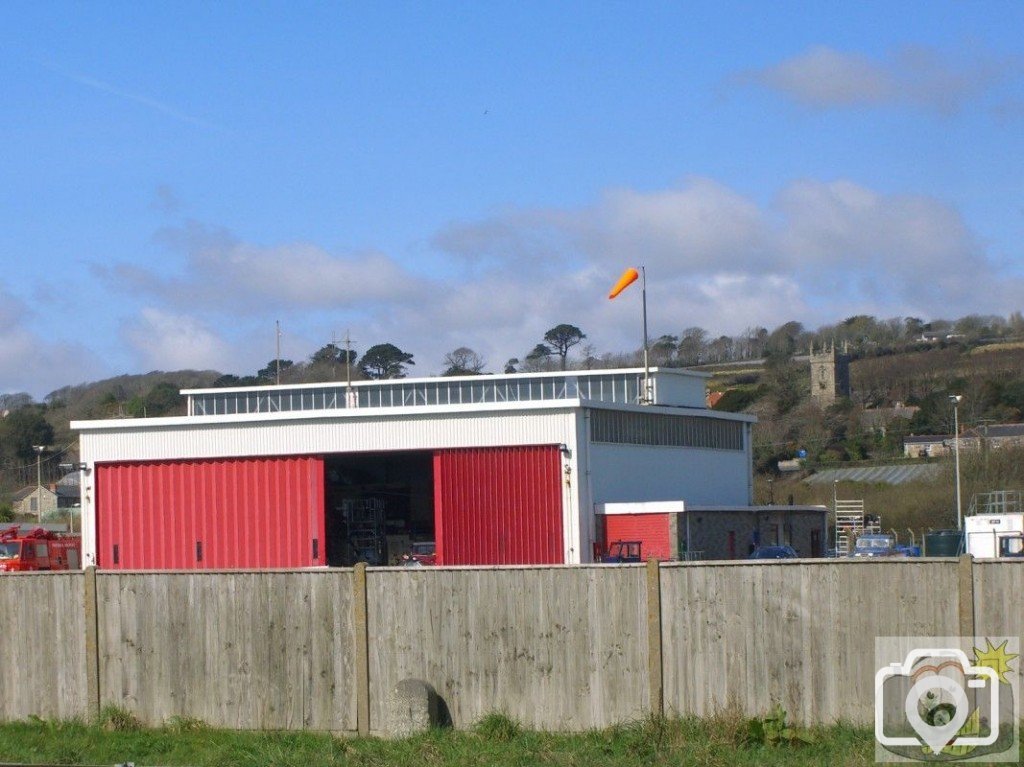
(277, 358)
(348, 360)
(350, 399)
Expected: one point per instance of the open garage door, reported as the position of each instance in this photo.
(379, 505)
(498, 506)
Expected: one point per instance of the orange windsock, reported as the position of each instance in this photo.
(628, 277)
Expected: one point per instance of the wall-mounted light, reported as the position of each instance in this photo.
(79, 466)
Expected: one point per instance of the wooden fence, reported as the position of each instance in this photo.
(557, 648)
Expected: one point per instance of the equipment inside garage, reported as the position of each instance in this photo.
(377, 505)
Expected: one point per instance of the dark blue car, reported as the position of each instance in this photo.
(774, 552)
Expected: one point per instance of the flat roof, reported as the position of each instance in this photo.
(673, 391)
(682, 372)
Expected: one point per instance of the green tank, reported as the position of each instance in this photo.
(943, 543)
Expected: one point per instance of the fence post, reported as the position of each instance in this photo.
(654, 660)
(361, 635)
(92, 645)
(965, 577)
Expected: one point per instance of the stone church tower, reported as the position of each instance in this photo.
(830, 376)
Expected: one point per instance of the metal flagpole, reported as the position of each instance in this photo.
(646, 400)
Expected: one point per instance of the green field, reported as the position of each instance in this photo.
(494, 741)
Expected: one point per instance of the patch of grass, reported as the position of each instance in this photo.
(1000, 347)
(497, 740)
(185, 724)
(498, 727)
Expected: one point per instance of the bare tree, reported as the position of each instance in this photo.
(463, 362)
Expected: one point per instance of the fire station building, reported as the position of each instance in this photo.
(504, 469)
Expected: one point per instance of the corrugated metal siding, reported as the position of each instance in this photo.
(349, 434)
(244, 512)
(650, 529)
(498, 506)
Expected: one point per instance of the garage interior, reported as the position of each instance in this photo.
(377, 505)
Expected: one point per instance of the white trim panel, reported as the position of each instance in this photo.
(643, 507)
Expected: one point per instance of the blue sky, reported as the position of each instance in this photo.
(435, 175)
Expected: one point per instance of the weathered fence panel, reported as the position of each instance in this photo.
(559, 648)
(245, 650)
(42, 624)
(999, 598)
(745, 636)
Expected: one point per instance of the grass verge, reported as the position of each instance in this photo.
(496, 740)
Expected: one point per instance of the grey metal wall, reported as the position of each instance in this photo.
(558, 648)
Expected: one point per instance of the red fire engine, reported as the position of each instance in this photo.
(39, 549)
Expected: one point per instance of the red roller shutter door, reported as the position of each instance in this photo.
(498, 506)
(652, 530)
(232, 513)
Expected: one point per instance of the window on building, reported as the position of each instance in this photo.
(669, 430)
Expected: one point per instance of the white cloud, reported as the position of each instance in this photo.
(715, 258)
(166, 341)
(718, 259)
(222, 273)
(823, 77)
(30, 362)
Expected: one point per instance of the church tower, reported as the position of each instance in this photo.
(830, 376)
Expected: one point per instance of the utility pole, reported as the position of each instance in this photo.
(40, 449)
(955, 399)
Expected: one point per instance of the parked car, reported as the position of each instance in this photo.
(877, 545)
(774, 552)
(420, 554)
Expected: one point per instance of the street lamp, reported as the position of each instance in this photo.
(955, 399)
(40, 449)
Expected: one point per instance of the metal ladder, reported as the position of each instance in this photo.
(849, 524)
(366, 531)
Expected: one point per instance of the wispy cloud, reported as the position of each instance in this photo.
(138, 98)
(823, 77)
(223, 272)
